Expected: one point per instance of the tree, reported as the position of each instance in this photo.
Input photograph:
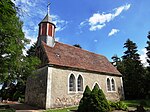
(94, 101)
(84, 105)
(147, 79)
(98, 100)
(131, 52)
(14, 67)
(77, 45)
(133, 72)
(116, 60)
(12, 40)
(31, 51)
(148, 48)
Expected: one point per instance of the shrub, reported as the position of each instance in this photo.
(103, 101)
(118, 105)
(143, 103)
(94, 101)
(21, 100)
(16, 95)
(84, 104)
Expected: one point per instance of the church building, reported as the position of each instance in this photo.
(66, 70)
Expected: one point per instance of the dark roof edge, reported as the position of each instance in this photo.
(83, 70)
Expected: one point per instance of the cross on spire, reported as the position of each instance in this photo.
(48, 9)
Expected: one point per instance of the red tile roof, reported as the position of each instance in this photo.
(70, 56)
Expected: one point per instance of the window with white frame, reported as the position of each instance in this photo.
(111, 84)
(72, 85)
(80, 83)
(108, 85)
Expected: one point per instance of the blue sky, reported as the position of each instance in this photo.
(99, 26)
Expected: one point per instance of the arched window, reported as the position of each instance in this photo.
(72, 84)
(80, 83)
(95, 85)
(108, 85)
(112, 84)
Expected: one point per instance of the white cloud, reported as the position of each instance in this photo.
(60, 24)
(143, 57)
(98, 21)
(28, 35)
(95, 40)
(95, 27)
(28, 2)
(120, 9)
(113, 31)
(83, 23)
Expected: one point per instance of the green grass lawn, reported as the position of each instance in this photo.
(129, 103)
(62, 110)
(134, 103)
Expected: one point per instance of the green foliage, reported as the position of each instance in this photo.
(94, 101)
(135, 103)
(118, 105)
(148, 48)
(84, 104)
(31, 51)
(133, 72)
(7, 110)
(21, 100)
(12, 40)
(147, 79)
(16, 95)
(136, 78)
(77, 45)
(14, 66)
(116, 60)
(98, 100)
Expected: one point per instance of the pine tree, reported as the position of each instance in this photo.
(84, 105)
(147, 79)
(98, 100)
(148, 48)
(103, 101)
(31, 51)
(133, 72)
(116, 60)
(94, 101)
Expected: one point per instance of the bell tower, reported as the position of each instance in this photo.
(47, 30)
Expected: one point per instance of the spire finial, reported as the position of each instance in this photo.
(48, 9)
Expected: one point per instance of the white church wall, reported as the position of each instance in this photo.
(61, 97)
